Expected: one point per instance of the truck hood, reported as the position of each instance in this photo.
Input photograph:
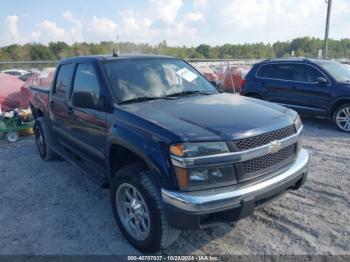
(213, 117)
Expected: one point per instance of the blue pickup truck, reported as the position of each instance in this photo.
(175, 152)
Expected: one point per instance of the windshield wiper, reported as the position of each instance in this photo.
(185, 93)
(141, 99)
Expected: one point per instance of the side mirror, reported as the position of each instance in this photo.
(85, 100)
(321, 80)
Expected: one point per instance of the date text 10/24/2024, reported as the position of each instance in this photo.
(173, 258)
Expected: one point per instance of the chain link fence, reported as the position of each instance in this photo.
(17, 77)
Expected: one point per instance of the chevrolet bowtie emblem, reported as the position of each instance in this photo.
(275, 146)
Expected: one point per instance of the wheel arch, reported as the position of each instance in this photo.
(37, 112)
(121, 154)
(338, 103)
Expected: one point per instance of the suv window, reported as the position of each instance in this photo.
(277, 71)
(63, 80)
(86, 81)
(306, 73)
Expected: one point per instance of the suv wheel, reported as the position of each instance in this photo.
(137, 209)
(341, 117)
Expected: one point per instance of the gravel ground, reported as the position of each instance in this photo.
(50, 208)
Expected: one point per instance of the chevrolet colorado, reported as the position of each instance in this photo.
(175, 152)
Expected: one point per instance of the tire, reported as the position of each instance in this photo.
(255, 96)
(43, 139)
(159, 234)
(341, 117)
(12, 137)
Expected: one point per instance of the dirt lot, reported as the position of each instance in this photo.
(51, 208)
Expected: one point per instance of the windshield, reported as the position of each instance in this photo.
(131, 79)
(340, 72)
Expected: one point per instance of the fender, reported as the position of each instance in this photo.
(145, 146)
(336, 100)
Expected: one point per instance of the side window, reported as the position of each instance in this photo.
(86, 81)
(306, 73)
(277, 71)
(265, 71)
(63, 80)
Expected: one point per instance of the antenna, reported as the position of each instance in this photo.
(115, 54)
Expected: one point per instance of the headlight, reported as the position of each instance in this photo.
(297, 122)
(205, 177)
(198, 149)
(202, 177)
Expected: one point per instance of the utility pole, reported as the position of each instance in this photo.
(118, 51)
(329, 3)
(114, 52)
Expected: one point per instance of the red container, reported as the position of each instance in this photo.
(207, 72)
(231, 78)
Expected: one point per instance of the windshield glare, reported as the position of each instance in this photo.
(137, 78)
(340, 72)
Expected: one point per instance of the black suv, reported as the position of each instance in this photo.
(316, 87)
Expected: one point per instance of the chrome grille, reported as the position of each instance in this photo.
(256, 141)
(274, 160)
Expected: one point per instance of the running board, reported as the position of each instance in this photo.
(89, 170)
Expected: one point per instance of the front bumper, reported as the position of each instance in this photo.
(207, 207)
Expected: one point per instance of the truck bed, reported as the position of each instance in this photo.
(40, 99)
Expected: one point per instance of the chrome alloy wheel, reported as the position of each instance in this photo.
(343, 119)
(133, 211)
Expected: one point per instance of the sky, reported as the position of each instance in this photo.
(179, 22)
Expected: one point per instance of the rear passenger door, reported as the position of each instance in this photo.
(276, 81)
(307, 95)
(58, 101)
(87, 127)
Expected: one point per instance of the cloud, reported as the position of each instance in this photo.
(165, 10)
(103, 28)
(12, 34)
(76, 30)
(194, 17)
(49, 31)
(190, 22)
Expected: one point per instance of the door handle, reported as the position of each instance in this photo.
(52, 103)
(70, 111)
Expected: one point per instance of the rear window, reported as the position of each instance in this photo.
(277, 71)
(64, 77)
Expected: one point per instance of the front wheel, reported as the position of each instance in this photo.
(341, 117)
(137, 209)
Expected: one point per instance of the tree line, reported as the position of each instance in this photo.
(302, 46)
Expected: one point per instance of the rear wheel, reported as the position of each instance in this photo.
(341, 117)
(137, 209)
(43, 139)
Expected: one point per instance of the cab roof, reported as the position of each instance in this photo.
(94, 58)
